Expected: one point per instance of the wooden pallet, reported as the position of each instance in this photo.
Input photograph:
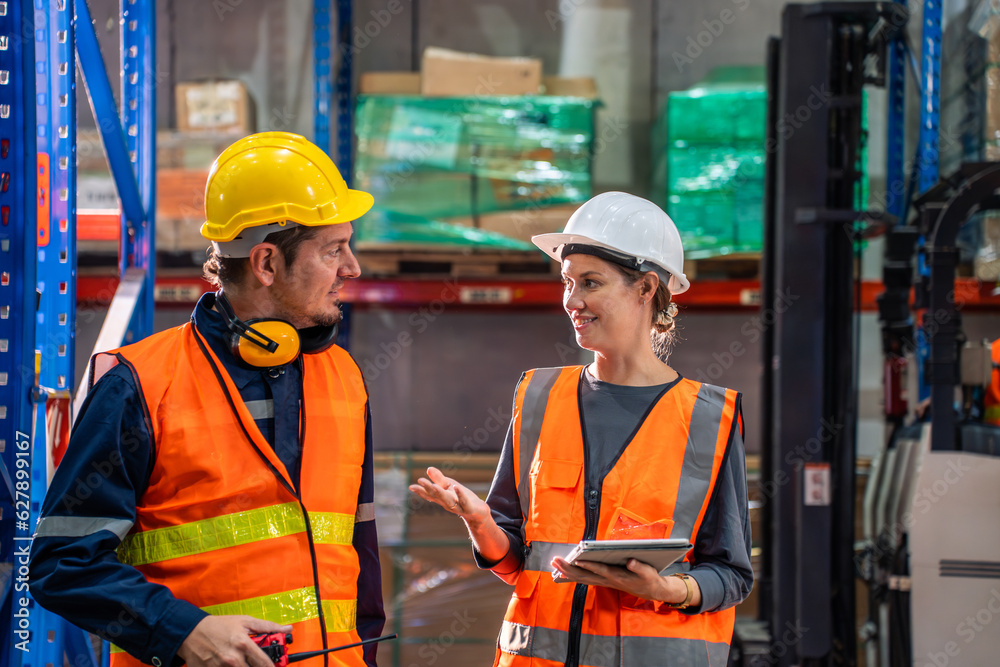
(396, 261)
(738, 266)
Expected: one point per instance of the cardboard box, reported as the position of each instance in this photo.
(389, 83)
(217, 106)
(521, 224)
(446, 73)
(562, 86)
(180, 209)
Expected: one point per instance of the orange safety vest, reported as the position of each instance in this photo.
(992, 399)
(665, 476)
(220, 523)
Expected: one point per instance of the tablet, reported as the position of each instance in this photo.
(658, 553)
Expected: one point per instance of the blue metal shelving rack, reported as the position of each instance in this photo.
(55, 286)
(138, 238)
(340, 95)
(926, 158)
(39, 42)
(930, 96)
(895, 151)
(129, 138)
(17, 310)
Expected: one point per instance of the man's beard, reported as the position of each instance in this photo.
(329, 319)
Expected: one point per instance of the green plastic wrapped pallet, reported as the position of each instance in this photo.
(710, 142)
(445, 157)
(712, 161)
(383, 228)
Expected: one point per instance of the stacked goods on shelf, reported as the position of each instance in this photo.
(981, 87)
(182, 163)
(392, 243)
(214, 106)
(211, 115)
(712, 139)
(522, 224)
(463, 156)
(470, 141)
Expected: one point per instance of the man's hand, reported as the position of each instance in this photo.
(636, 578)
(224, 641)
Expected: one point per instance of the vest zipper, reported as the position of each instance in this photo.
(593, 497)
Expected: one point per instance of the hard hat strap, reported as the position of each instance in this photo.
(615, 257)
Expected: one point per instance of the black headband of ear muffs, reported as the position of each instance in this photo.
(241, 328)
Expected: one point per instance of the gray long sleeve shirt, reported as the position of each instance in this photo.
(611, 413)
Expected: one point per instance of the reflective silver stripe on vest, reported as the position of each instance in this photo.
(365, 512)
(536, 398)
(81, 526)
(542, 553)
(699, 457)
(601, 651)
(262, 409)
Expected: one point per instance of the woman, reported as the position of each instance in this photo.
(622, 448)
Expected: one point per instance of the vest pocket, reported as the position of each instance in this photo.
(628, 525)
(556, 499)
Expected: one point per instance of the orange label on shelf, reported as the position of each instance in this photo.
(42, 199)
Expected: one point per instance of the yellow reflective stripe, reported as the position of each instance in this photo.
(152, 546)
(340, 615)
(289, 607)
(331, 527)
(993, 414)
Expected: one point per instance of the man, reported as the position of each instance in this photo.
(992, 398)
(233, 489)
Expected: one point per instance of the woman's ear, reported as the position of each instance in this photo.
(648, 285)
(264, 258)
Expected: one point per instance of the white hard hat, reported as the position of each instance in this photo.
(639, 234)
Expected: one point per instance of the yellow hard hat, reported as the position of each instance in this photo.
(272, 178)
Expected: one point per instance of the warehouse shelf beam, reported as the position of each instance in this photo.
(129, 138)
(52, 639)
(55, 330)
(139, 80)
(102, 101)
(930, 96)
(323, 68)
(896, 128)
(500, 293)
(344, 93)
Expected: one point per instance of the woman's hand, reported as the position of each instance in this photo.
(452, 496)
(487, 537)
(636, 578)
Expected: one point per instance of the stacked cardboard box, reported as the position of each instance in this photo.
(214, 106)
